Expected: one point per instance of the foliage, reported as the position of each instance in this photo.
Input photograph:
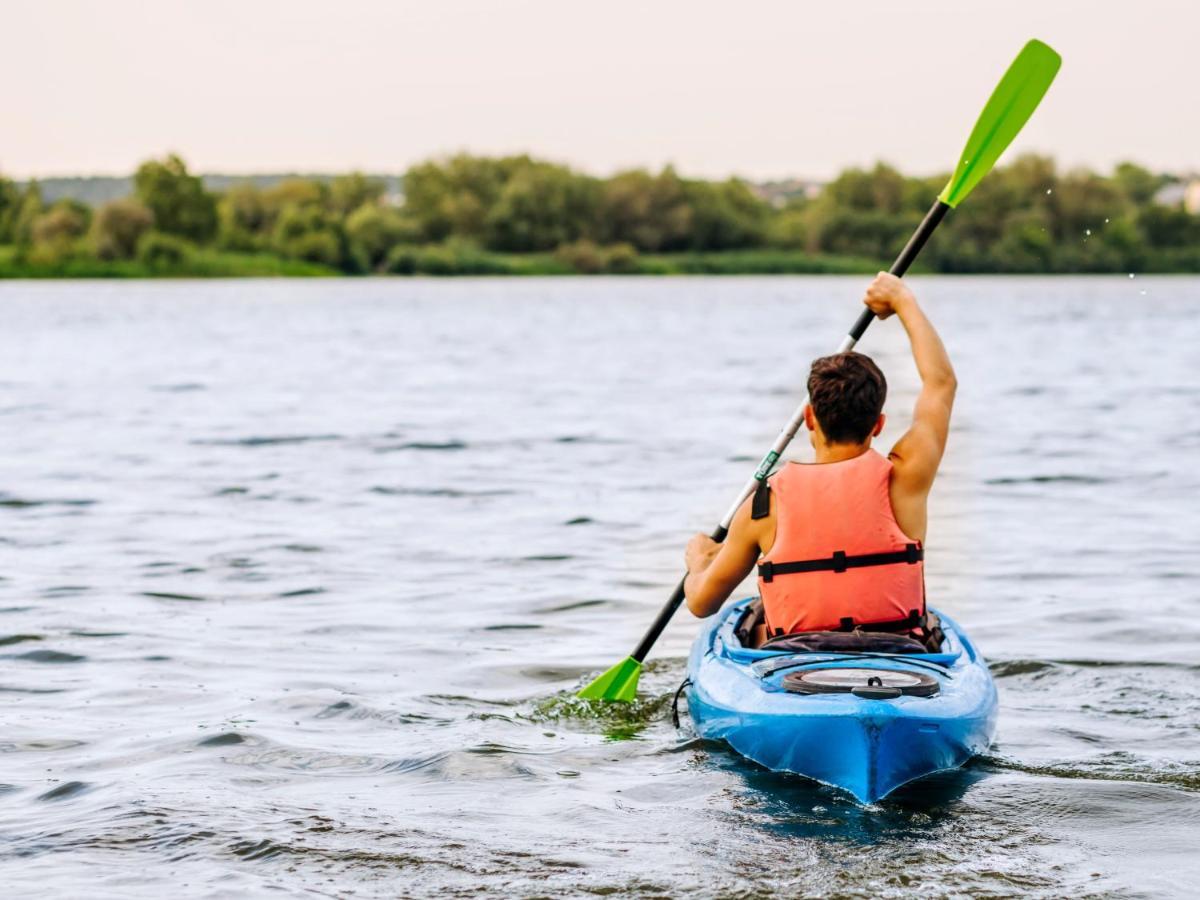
(463, 258)
(244, 216)
(475, 215)
(26, 213)
(161, 252)
(180, 204)
(55, 233)
(726, 215)
(540, 207)
(10, 202)
(202, 263)
(588, 258)
(117, 227)
(304, 230)
(373, 230)
(455, 196)
(649, 212)
(348, 192)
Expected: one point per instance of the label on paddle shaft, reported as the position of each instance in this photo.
(764, 468)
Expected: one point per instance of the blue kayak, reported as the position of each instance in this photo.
(865, 722)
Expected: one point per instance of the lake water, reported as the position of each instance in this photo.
(297, 580)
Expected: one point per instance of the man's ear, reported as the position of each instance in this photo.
(810, 420)
(879, 423)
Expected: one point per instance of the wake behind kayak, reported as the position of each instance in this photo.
(864, 722)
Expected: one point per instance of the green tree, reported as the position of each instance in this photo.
(1139, 185)
(295, 192)
(726, 215)
(455, 196)
(650, 212)
(29, 207)
(10, 202)
(349, 192)
(309, 233)
(790, 228)
(161, 252)
(373, 230)
(180, 204)
(540, 207)
(1027, 244)
(1168, 226)
(55, 233)
(118, 226)
(245, 217)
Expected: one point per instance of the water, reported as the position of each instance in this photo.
(297, 580)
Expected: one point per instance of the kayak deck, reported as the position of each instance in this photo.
(867, 747)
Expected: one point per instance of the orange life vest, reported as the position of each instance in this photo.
(839, 560)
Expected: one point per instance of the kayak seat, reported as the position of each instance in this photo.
(844, 642)
(750, 630)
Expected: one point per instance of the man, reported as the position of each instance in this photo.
(839, 542)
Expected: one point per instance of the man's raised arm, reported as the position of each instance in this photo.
(918, 453)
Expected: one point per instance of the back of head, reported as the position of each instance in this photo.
(846, 391)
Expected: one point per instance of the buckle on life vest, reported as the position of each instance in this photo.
(839, 561)
(912, 554)
(766, 571)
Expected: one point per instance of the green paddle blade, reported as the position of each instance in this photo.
(618, 683)
(1012, 103)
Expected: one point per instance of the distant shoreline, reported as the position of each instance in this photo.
(516, 215)
(438, 260)
(442, 261)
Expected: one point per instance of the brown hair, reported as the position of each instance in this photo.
(846, 391)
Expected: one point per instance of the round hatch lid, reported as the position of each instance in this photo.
(870, 684)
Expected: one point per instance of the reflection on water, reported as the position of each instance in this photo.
(297, 581)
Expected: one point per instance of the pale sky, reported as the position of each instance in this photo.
(748, 87)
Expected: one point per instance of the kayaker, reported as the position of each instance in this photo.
(839, 543)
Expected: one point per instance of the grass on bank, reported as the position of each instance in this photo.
(463, 259)
(447, 260)
(202, 263)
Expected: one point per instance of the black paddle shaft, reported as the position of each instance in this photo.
(932, 219)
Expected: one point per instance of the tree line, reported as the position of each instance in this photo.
(1025, 217)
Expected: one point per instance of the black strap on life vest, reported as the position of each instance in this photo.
(760, 506)
(840, 562)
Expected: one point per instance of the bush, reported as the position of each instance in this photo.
(244, 219)
(55, 233)
(583, 257)
(162, 252)
(314, 246)
(117, 227)
(448, 259)
(373, 230)
(622, 259)
(307, 232)
(587, 258)
(180, 204)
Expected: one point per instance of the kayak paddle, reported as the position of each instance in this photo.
(1008, 109)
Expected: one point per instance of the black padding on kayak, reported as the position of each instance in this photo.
(870, 684)
(845, 641)
(751, 617)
